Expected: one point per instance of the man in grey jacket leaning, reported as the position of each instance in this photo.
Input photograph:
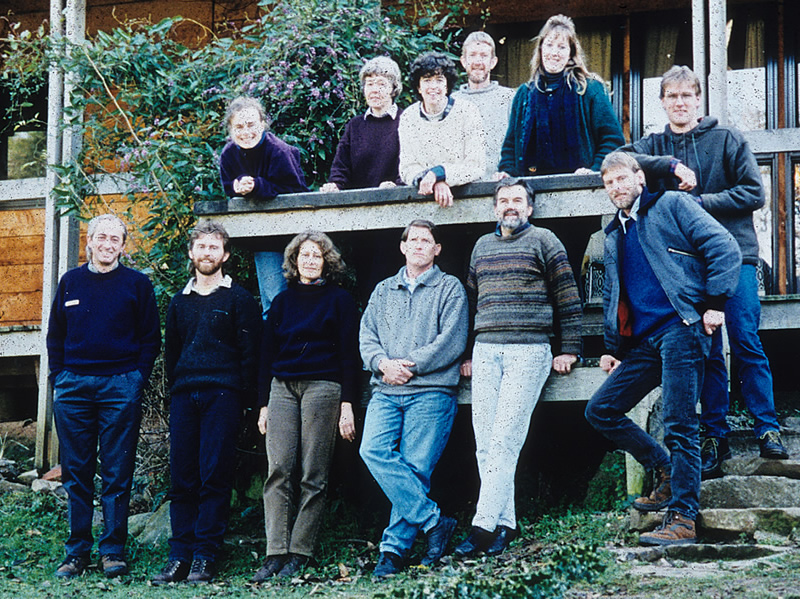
(715, 164)
(413, 333)
(670, 268)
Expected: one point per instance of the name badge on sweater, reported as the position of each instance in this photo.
(74, 302)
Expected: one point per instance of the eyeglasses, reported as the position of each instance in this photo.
(685, 97)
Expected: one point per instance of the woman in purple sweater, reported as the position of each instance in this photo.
(369, 152)
(307, 388)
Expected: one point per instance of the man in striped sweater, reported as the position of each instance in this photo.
(519, 283)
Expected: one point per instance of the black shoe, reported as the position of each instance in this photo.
(713, 452)
(293, 565)
(772, 447)
(503, 539)
(113, 565)
(202, 570)
(71, 567)
(270, 567)
(438, 538)
(389, 564)
(176, 570)
(478, 541)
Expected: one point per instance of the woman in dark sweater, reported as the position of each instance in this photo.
(307, 384)
(369, 151)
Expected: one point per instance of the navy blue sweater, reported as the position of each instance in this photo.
(311, 333)
(212, 341)
(274, 164)
(103, 323)
(368, 153)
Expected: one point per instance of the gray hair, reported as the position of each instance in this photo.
(242, 103)
(385, 67)
(513, 182)
(96, 221)
(478, 37)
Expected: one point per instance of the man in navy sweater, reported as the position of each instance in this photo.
(211, 353)
(102, 340)
(670, 268)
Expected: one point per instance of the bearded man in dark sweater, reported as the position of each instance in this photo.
(102, 340)
(715, 164)
(211, 343)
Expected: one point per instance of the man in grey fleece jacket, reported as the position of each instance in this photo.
(716, 165)
(413, 333)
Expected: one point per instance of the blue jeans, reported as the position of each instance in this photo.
(742, 317)
(203, 426)
(90, 409)
(675, 359)
(269, 270)
(404, 437)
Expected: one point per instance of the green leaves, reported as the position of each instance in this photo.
(150, 103)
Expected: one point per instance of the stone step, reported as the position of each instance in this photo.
(731, 524)
(750, 492)
(743, 442)
(756, 466)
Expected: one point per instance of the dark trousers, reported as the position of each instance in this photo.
(89, 410)
(203, 426)
(675, 359)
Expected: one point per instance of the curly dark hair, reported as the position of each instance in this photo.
(334, 268)
(433, 63)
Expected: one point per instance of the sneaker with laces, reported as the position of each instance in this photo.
(71, 567)
(772, 447)
(661, 495)
(202, 570)
(113, 565)
(713, 451)
(176, 570)
(676, 529)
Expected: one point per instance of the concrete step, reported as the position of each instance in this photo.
(755, 466)
(744, 443)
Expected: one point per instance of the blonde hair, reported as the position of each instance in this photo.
(575, 72)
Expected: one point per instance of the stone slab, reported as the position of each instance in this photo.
(750, 492)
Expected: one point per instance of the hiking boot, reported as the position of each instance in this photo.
(176, 570)
(772, 447)
(202, 570)
(662, 492)
(478, 541)
(676, 529)
(438, 538)
(270, 567)
(113, 565)
(713, 452)
(389, 564)
(293, 565)
(71, 567)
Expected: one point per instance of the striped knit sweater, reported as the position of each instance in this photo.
(514, 286)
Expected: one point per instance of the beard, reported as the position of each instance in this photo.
(512, 220)
(478, 76)
(207, 268)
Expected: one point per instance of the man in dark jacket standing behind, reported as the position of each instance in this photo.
(211, 353)
(715, 164)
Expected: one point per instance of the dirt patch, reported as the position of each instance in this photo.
(21, 431)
